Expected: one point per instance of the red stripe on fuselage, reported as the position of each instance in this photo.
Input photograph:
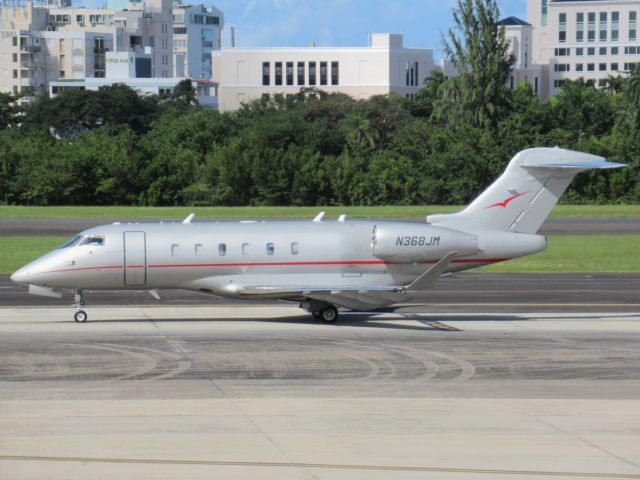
(280, 264)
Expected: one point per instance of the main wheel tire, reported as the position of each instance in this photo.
(80, 316)
(329, 314)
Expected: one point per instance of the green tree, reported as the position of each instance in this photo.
(478, 48)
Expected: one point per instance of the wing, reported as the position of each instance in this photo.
(359, 297)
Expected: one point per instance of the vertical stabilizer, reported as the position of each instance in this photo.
(524, 195)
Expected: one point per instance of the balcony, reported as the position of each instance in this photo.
(29, 48)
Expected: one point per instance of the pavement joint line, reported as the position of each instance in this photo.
(327, 466)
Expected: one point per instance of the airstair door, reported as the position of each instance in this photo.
(135, 259)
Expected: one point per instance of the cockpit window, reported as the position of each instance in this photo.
(72, 242)
(92, 240)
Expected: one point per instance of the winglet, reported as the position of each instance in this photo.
(428, 278)
(319, 217)
(189, 218)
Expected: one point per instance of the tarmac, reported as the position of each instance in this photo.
(264, 391)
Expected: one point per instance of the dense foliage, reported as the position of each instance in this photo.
(114, 146)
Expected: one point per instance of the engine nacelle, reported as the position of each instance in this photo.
(413, 243)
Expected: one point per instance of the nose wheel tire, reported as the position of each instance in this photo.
(329, 314)
(80, 316)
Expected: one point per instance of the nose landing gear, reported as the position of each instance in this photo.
(80, 316)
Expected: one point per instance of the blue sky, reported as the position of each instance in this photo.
(277, 23)
(342, 22)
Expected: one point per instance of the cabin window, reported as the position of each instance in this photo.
(245, 249)
(270, 249)
(294, 248)
(92, 240)
(222, 249)
(175, 250)
(199, 249)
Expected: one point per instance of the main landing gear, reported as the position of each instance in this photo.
(321, 311)
(80, 316)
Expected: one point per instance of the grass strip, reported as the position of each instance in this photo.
(580, 253)
(178, 213)
(565, 253)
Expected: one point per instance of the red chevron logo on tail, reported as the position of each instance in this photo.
(506, 202)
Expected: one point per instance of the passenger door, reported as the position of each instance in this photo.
(135, 259)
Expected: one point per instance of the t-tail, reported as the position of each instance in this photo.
(523, 197)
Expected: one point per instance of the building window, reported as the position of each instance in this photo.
(602, 82)
(278, 73)
(312, 73)
(580, 27)
(603, 26)
(579, 52)
(614, 67)
(295, 248)
(562, 52)
(561, 67)
(603, 50)
(62, 74)
(536, 86)
(591, 51)
(289, 73)
(579, 67)
(633, 18)
(80, 19)
(602, 67)
(559, 83)
(543, 13)
(175, 250)
(562, 34)
(630, 50)
(270, 249)
(629, 67)
(615, 26)
(300, 73)
(591, 67)
(180, 30)
(266, 73)
(335, 73)
(245, 249)
(199, 249)
(615, 50)
(591, 16)
(324, 74)
(222, 249)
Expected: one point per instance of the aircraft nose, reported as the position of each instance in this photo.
(20, 276)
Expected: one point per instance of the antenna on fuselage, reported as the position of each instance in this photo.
(319, 217)
(189, 218)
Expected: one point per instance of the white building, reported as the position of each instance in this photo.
(196, 34)
(520, 36)
(386, 66)
(592, 39)
(51, 41)
(134, 70)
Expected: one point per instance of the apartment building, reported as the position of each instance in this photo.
(197, 32)
(385, 66)
(592, 39)
(48, 41)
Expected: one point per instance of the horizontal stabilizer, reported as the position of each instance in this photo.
(577, 165)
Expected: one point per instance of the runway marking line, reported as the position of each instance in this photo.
(328, 466)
